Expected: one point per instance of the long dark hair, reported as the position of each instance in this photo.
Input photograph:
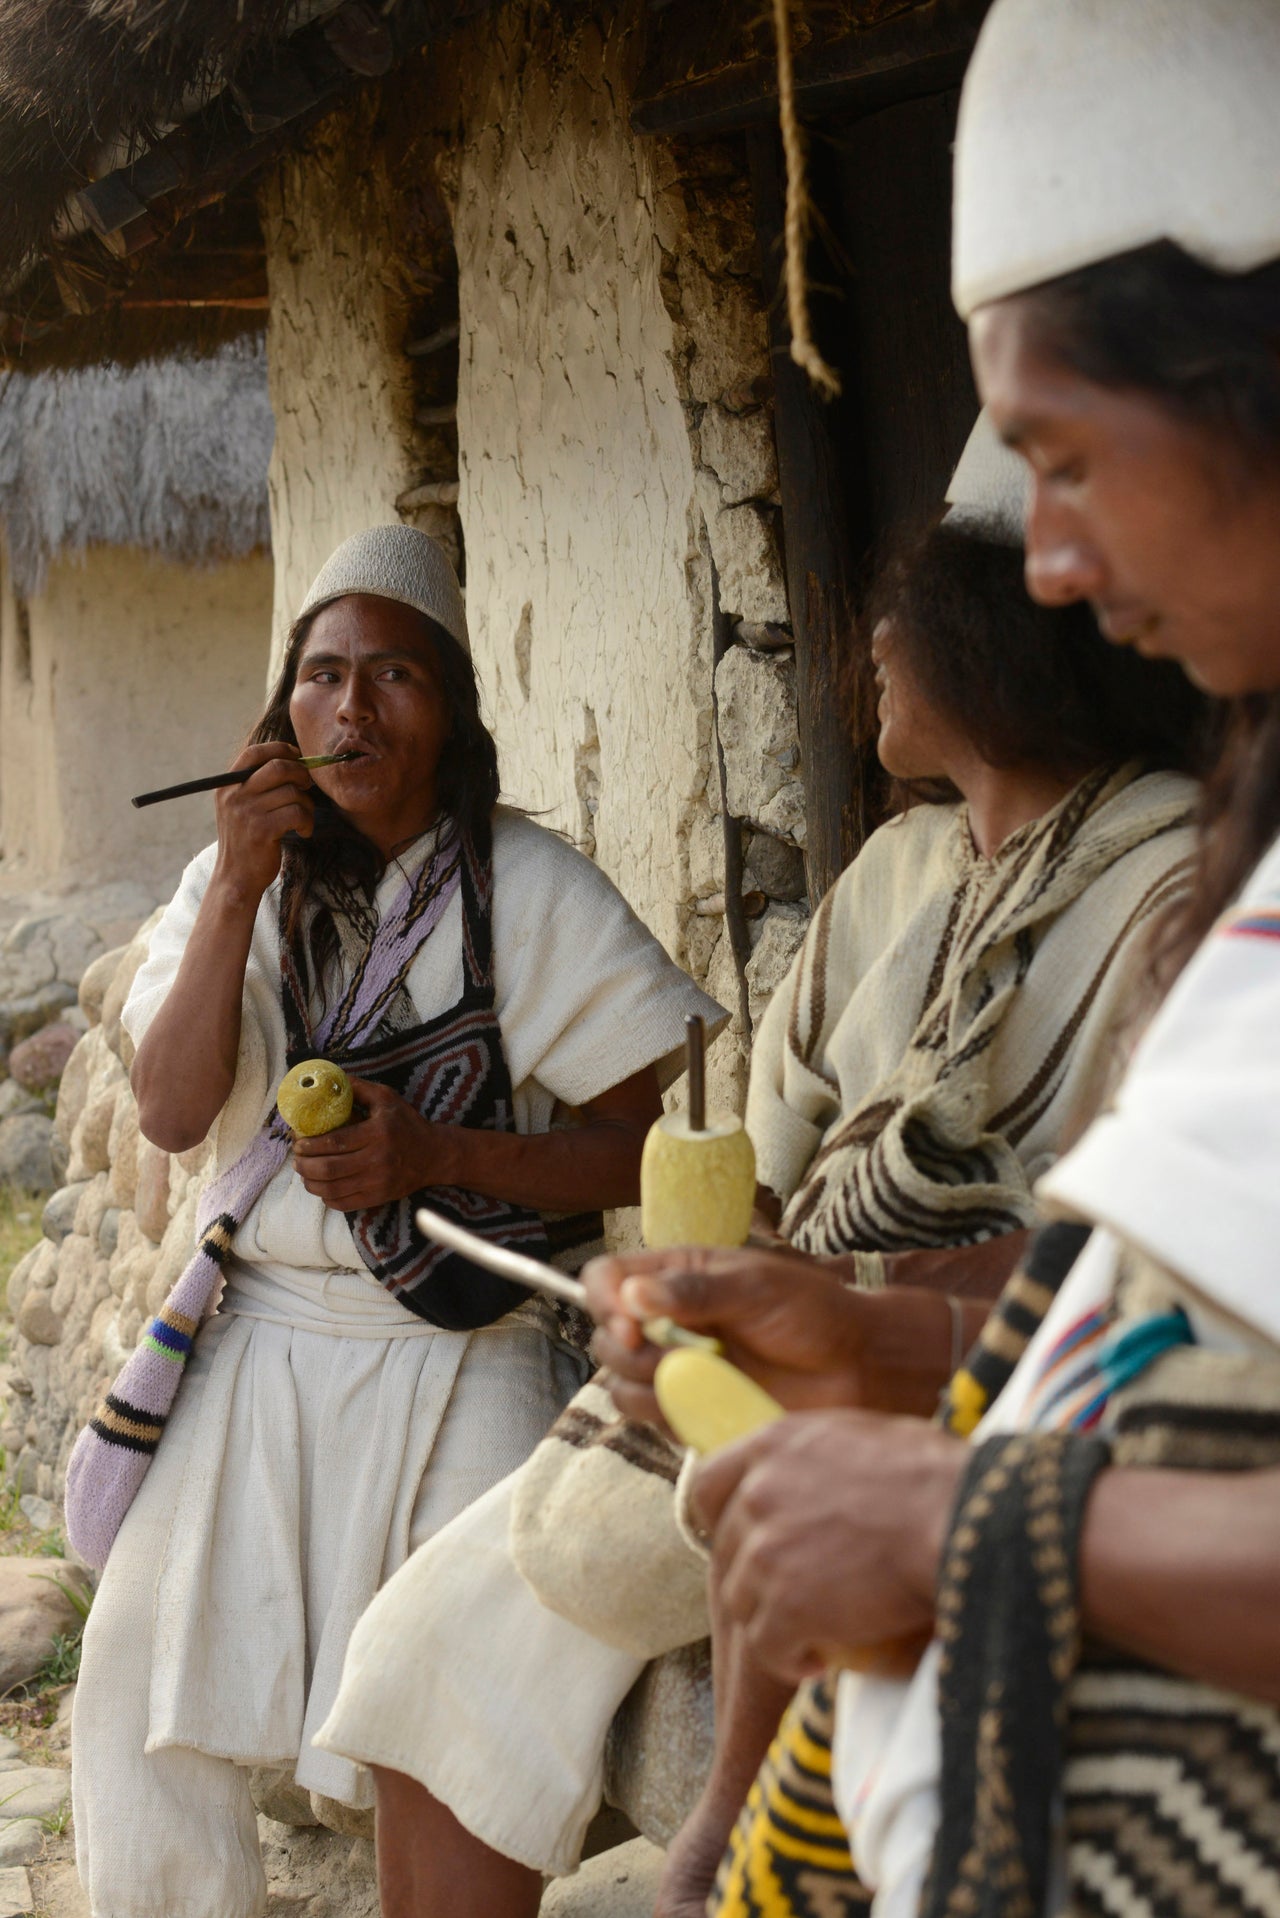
(337, 861)
(1029, 684)
(1207, 346)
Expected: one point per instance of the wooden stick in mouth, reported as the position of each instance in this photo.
(216, 780)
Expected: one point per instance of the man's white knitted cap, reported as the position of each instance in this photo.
(1091, 127)
(990, 490)
(394, 562)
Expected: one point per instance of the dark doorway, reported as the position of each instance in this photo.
(910, 399)
(877, 460)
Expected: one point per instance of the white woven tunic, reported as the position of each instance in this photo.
(300, 1466)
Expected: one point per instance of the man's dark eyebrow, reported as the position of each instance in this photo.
(400, 654)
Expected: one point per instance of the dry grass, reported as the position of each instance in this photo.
(19, 1231)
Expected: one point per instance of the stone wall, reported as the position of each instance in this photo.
(125, 672)
(118, 1232)
(47, 940)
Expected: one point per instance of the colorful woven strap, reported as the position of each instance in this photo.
(111, 1457)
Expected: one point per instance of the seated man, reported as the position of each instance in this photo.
(955, 995)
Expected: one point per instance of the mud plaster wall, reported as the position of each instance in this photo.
(339, 387)
(614, 438)
(585, 585)
(613, 441)
(126, 672)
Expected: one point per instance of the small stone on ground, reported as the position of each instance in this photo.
(39, 1513)
(25, 1156)
(20, 1842)
(15, 1894)
(622, 1883)
(33, 1611)
(60, 1893)
(15, 1098)
(39, 1062)
(33, 1791)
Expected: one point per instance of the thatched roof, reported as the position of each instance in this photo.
(170, 457)
(121, 119)
(129, 127)
(78, 77)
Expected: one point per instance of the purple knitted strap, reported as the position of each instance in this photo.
(112, 1454)
(392, 950)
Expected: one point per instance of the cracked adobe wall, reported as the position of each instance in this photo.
(339, 389)
(616, 442)
(612, 452)
(586, 591)
(124, 673)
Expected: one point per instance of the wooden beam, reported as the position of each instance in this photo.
(252, 303)
(816, 537)
(921, 51)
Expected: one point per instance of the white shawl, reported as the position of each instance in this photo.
(584, 994)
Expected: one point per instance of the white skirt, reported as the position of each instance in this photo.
(513, 1744)
(321, 1434)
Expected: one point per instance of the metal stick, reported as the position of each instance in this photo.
(538, 1277)
(500, 1259)
(216, 780)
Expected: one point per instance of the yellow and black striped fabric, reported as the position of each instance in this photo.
(788, 1856)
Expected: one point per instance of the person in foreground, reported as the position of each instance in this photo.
(1118, 260)
(355, 1389)
(954, 995)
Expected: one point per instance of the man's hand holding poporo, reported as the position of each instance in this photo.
(779, 1316)
(384, 1156)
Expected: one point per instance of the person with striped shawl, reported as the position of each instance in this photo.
(953, 999)
(1095, 1724)
(321, 1391)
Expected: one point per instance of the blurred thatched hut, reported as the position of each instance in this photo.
(135, 606)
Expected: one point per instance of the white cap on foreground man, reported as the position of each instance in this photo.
(1089, 128)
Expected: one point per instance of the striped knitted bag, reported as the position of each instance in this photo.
(112, 1454)
(1170, 1787)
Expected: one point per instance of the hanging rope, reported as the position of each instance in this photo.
(796, 224)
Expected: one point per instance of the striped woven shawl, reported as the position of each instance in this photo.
(926, 1158)
(1171, 1787)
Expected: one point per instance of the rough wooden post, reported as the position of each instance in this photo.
(817, 535)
